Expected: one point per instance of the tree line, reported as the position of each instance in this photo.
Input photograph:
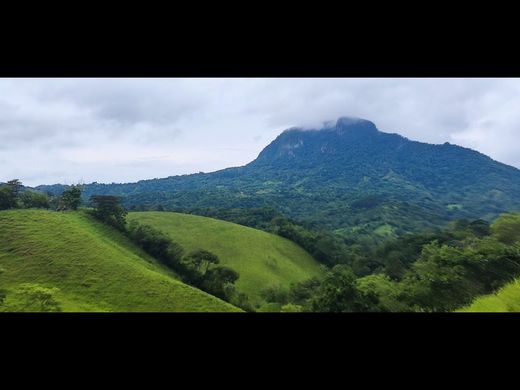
(13, 195)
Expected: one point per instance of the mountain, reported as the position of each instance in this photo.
(263, 260)
(84, 265)
(348, 177)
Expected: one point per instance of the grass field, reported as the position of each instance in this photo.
(88, 266)
(507, 299)
(262, 259)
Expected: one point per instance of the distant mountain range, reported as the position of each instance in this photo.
(348, 177)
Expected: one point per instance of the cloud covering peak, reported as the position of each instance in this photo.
(105, 130)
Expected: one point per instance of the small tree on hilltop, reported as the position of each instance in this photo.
(32, 199)
(71, 198)
(9, 193)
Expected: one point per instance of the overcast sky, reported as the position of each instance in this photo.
(120, 130)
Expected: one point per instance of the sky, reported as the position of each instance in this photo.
(123, 130)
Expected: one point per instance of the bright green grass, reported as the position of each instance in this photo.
(263, 260)
(507, 299)
(94, 267)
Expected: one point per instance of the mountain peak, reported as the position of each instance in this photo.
(345, 124)
(332, 138)
(341, 125)
(352, 121)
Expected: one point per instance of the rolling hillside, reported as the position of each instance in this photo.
(262, 259)
(87, 266)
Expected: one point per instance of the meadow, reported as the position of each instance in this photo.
(80, 264)
(263, 260)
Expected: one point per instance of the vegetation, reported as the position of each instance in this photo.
(9, 193)
(71, 262)
(473, 260)
(70, 198)
(108, 209)
(262, 260)
(14, 195)
(34, 200)
(193, 269)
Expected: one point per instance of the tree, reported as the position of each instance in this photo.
(32, 199)
(201, 259)
(387, 291)
(71, 198)
(6, 199)
(108, 209)
(507, 228)
(219, 281)
(301, 293)
(440, 280)
(9, 194)
(15, 186)
(338, 292)
(480, 228)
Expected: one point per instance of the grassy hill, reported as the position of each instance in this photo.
(507, 299)
(262, 259)
(87, 266)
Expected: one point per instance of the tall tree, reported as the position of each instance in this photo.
(9, 193)
(108, 209)
(71, 198)
(33, 199)
(507, 228)
(339, 293)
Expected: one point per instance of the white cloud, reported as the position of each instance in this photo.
(56, 130)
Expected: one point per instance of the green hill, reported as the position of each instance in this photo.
(85, 266)
(263, 260)
(507, 299)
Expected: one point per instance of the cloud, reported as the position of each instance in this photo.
(56, 130)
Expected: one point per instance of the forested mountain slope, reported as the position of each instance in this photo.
(348, 177)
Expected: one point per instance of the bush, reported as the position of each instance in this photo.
(276, 294)
(31, 297)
